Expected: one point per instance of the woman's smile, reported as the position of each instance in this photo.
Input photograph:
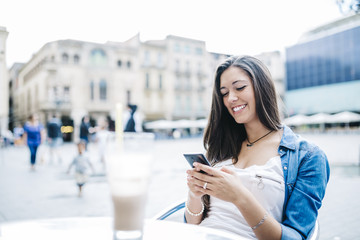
(238, 108)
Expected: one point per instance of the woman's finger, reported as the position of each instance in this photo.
(209, 170)
(196, 181)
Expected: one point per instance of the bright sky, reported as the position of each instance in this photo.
(227, 26)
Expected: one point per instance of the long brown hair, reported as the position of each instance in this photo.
(223, 135)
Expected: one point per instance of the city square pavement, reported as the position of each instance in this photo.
(49, 192)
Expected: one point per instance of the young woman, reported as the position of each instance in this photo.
(34, 135)
(266, 182)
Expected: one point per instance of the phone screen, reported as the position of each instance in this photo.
(197, 157)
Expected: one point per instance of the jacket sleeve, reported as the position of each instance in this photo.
(306, 194)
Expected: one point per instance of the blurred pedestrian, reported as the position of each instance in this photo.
(34, 135)
(54, 137)
(84, 130)
(8, 137)
(82, 165)
(133, 119)
(18, 134)
(102, 138)
(111, 124)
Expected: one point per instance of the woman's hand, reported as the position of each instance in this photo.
(194, 184)
(222, 183)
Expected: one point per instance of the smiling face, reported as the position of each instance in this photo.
(238, 95)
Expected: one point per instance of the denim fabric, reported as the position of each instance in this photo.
(33, 150)
(306, 174)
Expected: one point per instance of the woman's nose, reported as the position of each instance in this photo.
(232, 97)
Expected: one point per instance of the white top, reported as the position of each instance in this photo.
(265, 182)
(102, 137)
(82, 163)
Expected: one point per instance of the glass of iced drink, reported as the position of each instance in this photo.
(129, 172)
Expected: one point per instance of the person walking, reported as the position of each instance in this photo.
(82, 165)
(130, 123)
(84, 130)
(34, 135)
(54, 137)
(134, 119)
(18, 135)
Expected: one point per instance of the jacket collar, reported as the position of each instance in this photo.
(288, 139)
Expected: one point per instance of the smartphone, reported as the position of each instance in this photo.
(197, 157)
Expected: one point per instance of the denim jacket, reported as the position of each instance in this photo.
(306, 174)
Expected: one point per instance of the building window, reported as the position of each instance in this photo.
(187, 66)
(187, 49)
(36, 95)
(177, 83)
(128, 64)
(66, 94)
(92, 85)
(177, 65)
(177, 47)
(160, 60)
(76, 59)
(188, 83)
(102, 87)
(178, 105)
(188, 104)
(160, 81)
(29, 100)
(200, 104)
(199, 68)
(147, 81)
(65, 58)
(147, 58)
(119, 63)
(98, 57)
(198, 51)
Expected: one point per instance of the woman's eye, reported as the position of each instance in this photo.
(224, 94)
(240, 88)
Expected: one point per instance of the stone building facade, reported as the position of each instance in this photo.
(168, 79)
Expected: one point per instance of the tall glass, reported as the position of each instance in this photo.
(129, 172)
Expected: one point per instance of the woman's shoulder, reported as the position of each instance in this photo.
(301, 143)
(307, 145)
(294, 140)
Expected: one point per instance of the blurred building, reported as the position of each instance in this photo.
(13, 86)
(323, 69)
(4, 88)
(168, 79)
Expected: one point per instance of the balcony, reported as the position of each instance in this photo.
(180, 73)
(183, 88)
(52, 106)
